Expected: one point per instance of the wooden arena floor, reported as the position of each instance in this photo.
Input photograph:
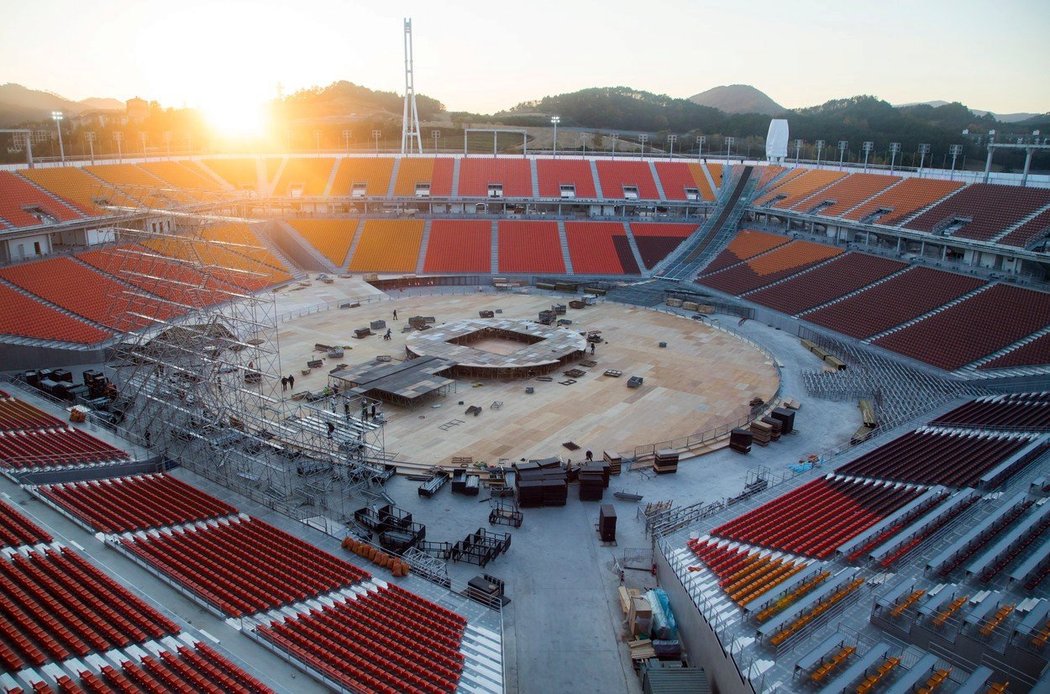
(702, 379)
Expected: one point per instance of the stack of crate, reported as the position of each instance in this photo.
(666, 462)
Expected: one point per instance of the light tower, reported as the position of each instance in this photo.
(410, 117)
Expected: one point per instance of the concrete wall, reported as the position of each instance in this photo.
(22, 357)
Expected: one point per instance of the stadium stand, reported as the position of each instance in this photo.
(182, 175)
(424, 177)
(25, 317)
(767, 268)
(220, 562)
(947, 458)
(627, 180)
(94, 613)
(743, 573)
(1028, 411)
(844, 274)
(62, 280)
(481, 177)
(184, 669)
(555, 173)
(768, 173)
(1030, 233)
(895, 204)
(789, 193)
(388, 245)
(1033, 353)
(972, 328)
(984, 210)
(364, 177)
(678, 178)
(139, 185)
(17, 530)
(845, 194)
(814, 519)
(24, 205)
(746, 244)
(242, 174)
(716, 170)
(121, 504)
(331, 237)
(82, 189)
(16, 415)
(656, 241)
(459, 245)
(529, 247)
(600, 248)
(893, 302)
(360, 641)
(305, 176)
(54, 448)
(246, 273)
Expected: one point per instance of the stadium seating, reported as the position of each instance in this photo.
(973, 328)
(364, 643)
(846, 273)
(743, 573)
(902, 200)
(656, 241)
(716, 170)
(82, 189)
(62, 281)
(947, 458)
(676, 177)
(196, 669)
(427, 171)
(1029, 411)
(990, 208)
(184, 175)
(16, 415)
(616, 176)
(746, 244)
(600, 248)
(55, 605)
(241, 264)
(242, 174)
(459, 245)
(1030, 233)
(554, 173)
(800, 187)
(331, 237)
(139, 185)
(764, 269)
(135, 503)
(814, 519)
(53, 448)
(17, 530)
(477, 174)
(388, 245)
(1034, 353)
(768, 173)
(893, 302)
(529, 247)
(846, 193)
(373, 172)
(242, 566)
(18, 195)
(25, 317)
(306, 177)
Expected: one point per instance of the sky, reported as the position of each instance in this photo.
(488, 56)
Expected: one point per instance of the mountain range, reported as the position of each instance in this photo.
(19, 104)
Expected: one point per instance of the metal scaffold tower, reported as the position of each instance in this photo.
(410, 139)
(199, 374)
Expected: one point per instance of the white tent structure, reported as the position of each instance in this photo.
(777, 141)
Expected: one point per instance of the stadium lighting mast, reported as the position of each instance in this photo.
(843, 146)
(346, 140)
(924, 149)
(377, 134)
(643, 138)
(798, 150)
(57, 117)
(729, 145)
(90, 135)
(554, 121)
(895, 149)
(671, 139)
(867, 147)
(119, 137)
(142, 136)
(700, 140)
(955, 151)
(614, 136)
(436, 134)
(410, 138)
(820, 147)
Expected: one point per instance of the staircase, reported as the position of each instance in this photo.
(353, 246)
(564, 242)
(423, 247)
(331, 179)
(266, 186)
(301, 251)
(597, 180)
(712, 237)
(495, 247)
(710, 179)
(393, 177)
(286, 264)
(534, 171)
(634, 246)
(1020, 223)
(455, 177)
(656, 180)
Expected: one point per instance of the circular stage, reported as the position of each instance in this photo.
(499, 347)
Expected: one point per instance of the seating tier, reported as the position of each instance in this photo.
(462, 245)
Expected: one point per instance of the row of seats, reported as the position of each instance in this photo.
(1027, 234)
(555, 173)
(86, 192)
(17, 530)
(796, 189)
(743, 574)
(1036, 351)
(767, 268)
(17, 196)
(369, 177)
(1017, 410)
(331, 237)
(656, 241)
(973, 328)
(683, 181)
(16, 415)
(513, 175)
(746, 244)
(243, 566)
(816, 518)
(844, 274)
(302, 177)
(187, 176)
(55, 605)
(934, 457)
(26, 317)
(135, 503)
(435, 174)
(600, 248)
(388, 245)
(893, 302)
(52, 448)
(845, 194)
(459, 246)
(897, 203)
(241, 174)
(139, 185)
(530, 247)
(990, 209)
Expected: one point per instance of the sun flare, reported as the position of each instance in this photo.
(235, 118)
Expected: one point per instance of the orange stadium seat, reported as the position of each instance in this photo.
(846, 194)
(140, 184)
(363, 176)
(600, 248)
(799, 187)
(746, 244)
(459, 245)
(184, 175)
(716, 171)
(242, 174)
(424, 176)
(305, 177)
(84, 190)
(767, 268)
(989, 210)
(626, 179)
(388, 245)
(655, 241)
(331, 237)
(477, 176)
(26, 317)
(529, 247)
(903, 199)
(678, 177)
(555, 173)
(18, 198)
